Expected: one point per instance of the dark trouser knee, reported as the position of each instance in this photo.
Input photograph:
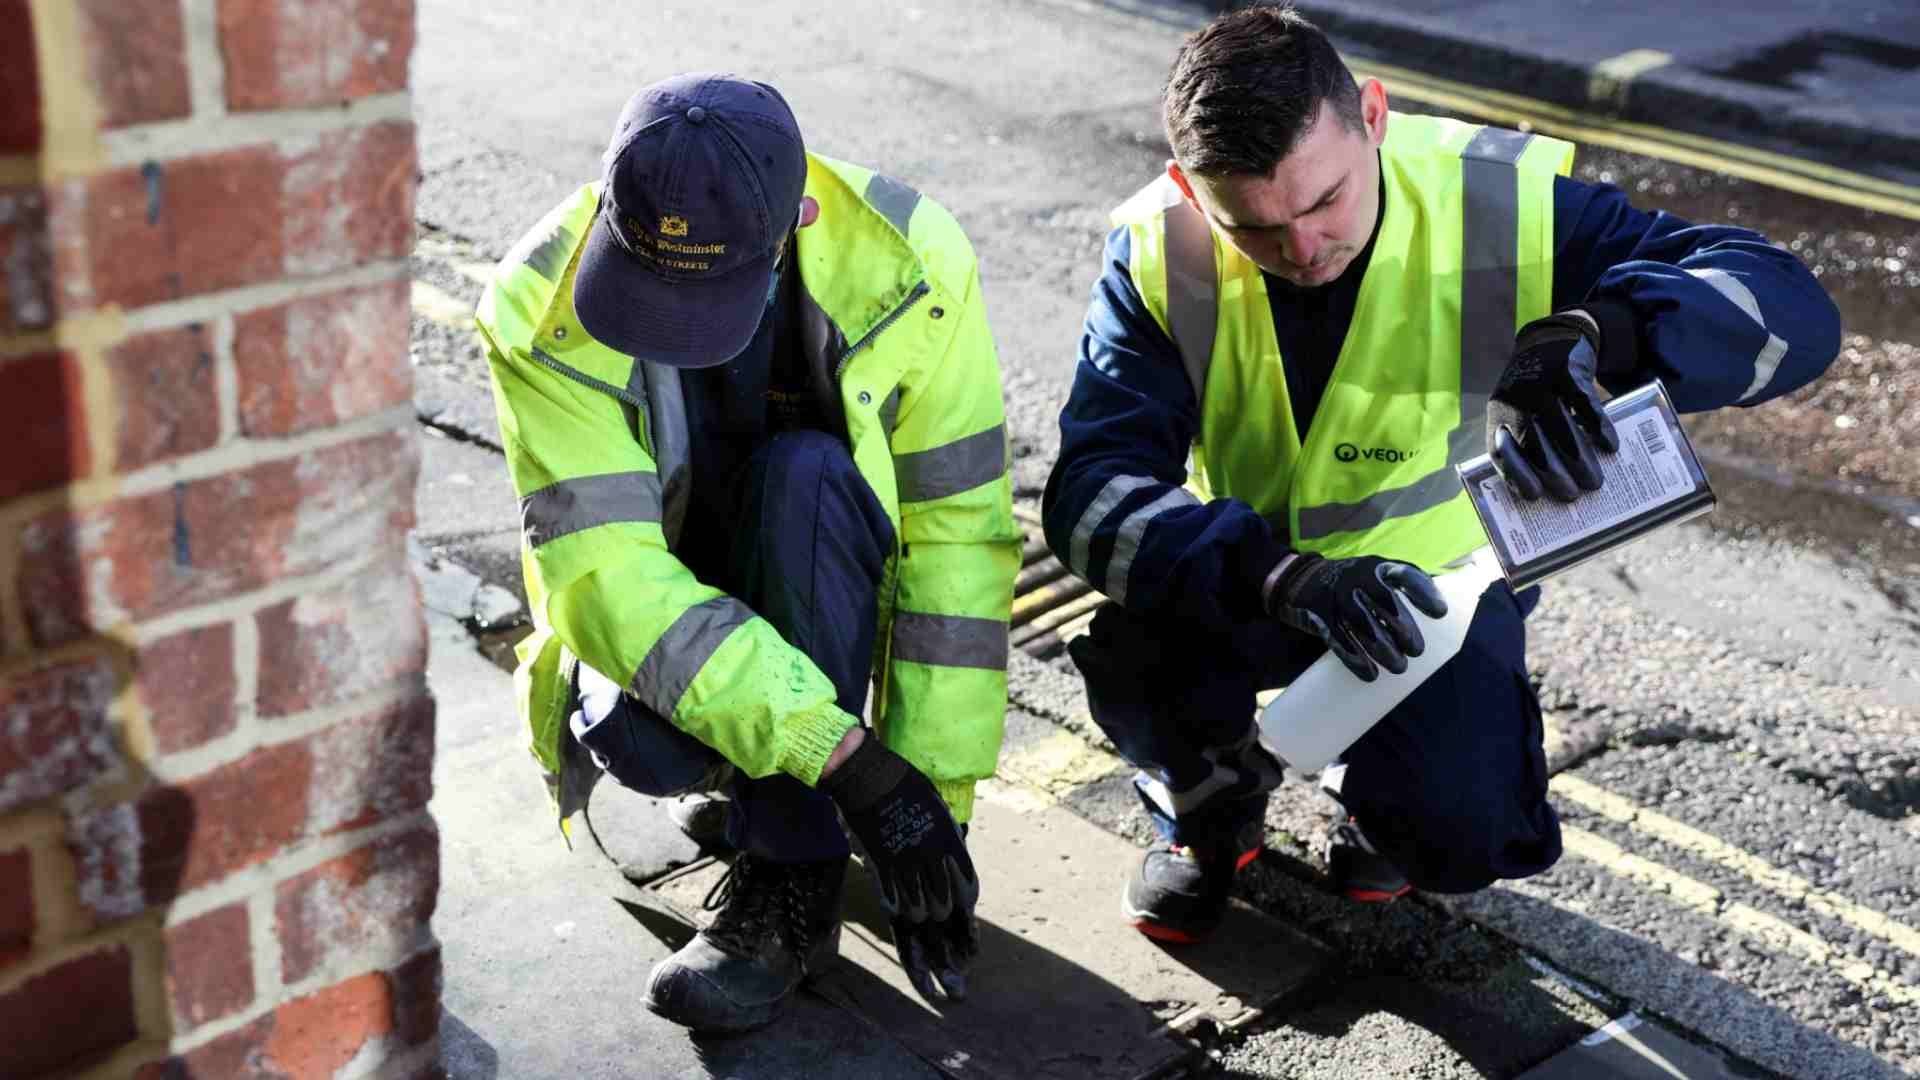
(811, 552)
(1452, 784)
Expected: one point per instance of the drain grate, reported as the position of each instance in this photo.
(1050, 605)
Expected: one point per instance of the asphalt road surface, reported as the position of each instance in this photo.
(1736, 703)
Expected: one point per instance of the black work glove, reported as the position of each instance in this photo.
(1355, 606)
(1544, 421)
(919, 861)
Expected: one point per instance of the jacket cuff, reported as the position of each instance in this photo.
(1250, 563)
(958, 795)
(1619, 336)
(808, 739)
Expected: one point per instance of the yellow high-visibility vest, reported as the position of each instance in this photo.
(1463, 258)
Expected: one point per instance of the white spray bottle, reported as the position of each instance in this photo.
(1328, 708)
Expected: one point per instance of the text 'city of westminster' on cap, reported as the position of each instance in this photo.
(704, 178)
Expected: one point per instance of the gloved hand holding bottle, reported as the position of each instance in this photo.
(919, 861)
(1357, 606)
(1545, 424)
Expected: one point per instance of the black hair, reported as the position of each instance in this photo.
(1247, 87)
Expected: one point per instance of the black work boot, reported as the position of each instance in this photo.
(1358, 871)
(778, 923)
(1180, 893)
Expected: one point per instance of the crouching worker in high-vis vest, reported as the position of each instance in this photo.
(752, 412)
(1298, 330)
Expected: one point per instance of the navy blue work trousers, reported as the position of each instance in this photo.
(809, 546)
(1451, 785)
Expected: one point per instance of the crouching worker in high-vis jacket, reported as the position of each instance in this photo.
(752, 412)
(1300, 328)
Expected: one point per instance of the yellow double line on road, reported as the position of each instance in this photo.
(1812, 178)
(1699, 896)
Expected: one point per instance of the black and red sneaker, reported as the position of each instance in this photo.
(1358, 871)
(1180, 893)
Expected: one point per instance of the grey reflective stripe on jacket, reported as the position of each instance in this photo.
(894, 200)
(1193, 285)
(961, 465)
(666, 420)
(1767, 360)
(586, 502)
(1488, 302)
(1127, 538)
(677, 657)
(950, 640)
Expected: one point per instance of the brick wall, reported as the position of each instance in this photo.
(215, 739)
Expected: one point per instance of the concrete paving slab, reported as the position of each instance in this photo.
(545, 948)
(1635, 1048)
(1062, 988)
(463, 490)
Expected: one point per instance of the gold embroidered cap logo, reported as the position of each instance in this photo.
(672, 225)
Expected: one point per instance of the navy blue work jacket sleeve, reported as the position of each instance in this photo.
(1114, 510)
(1719, 314)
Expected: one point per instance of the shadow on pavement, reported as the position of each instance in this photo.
(1030, 1012)
(463, 1053)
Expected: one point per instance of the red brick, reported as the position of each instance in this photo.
(349, 200)
(19, 80)
(323, 359)
(86, 570)
(187, 683)
(77, 1012)
(137, 56)
(317, 1034)
(210, 966)
(372, 900)
(55, 734)
(44, 412)
(164, 381)
(162, 231)
(325, 647)
(238, 1053)
(176, 838)
(26, 254)
(372, 768)
(83, 570)
(286, 53)
(16, 905)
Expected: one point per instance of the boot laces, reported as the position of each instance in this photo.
(756, 902)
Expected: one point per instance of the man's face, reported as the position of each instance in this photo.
(1306, 220)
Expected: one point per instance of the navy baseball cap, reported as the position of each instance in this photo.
(704, 178)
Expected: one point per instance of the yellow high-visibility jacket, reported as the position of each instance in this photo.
(596, 442)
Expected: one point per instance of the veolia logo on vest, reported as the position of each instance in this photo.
(1346, 453)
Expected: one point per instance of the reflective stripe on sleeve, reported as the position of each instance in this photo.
(961, 465)
(676, 659)
(1095, 514)
(1767, 360)
(950, 640)
(586, 502)
(1127, 543)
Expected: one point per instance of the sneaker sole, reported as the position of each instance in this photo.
(1159, 931)
(1376, 896)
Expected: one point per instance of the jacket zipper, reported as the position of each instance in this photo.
(919, 290)
(584, 379)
